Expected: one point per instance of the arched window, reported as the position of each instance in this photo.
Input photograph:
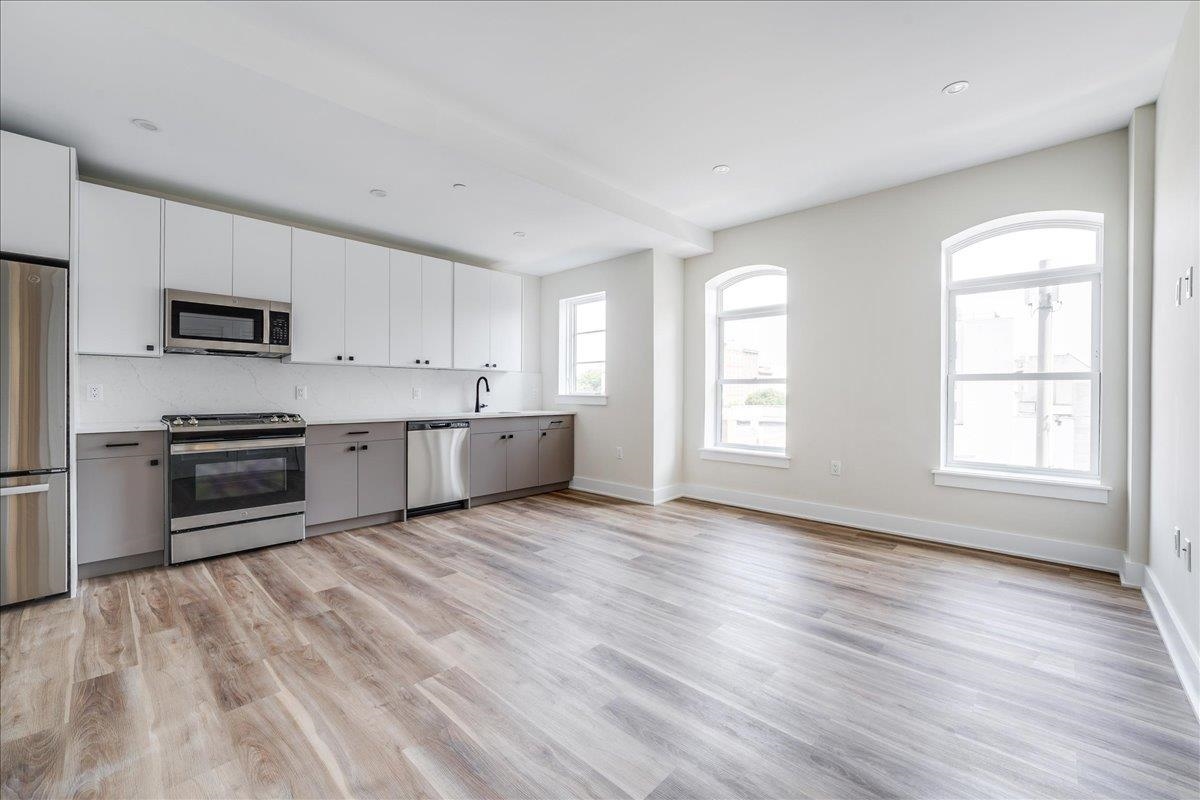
(1022, 345)
(746, 311)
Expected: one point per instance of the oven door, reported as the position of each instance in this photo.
(214, 322)
(217, 483)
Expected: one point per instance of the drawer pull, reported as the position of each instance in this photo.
(154, 462)
(357, 433)
(122, 444)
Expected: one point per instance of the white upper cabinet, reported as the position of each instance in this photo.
(262, 260)
(119, 272)
(405, 309)
(197, 249)
(367, 301)
(437, 312)
(472, 317)
(487, 319)
(35, 197)
(318, 298)
(506, 321)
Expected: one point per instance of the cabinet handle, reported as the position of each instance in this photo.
(418, 361)
(427, 361)
(357, 433)
(121, 444)
(351, 358)
(352, 449)
(154, 462)
(150, 347)
(543, 433)
(363, 447)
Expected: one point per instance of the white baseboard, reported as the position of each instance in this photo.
(665, 494)
(622, 491)
(1133, 574)
(1108, 559)
(1182, 651)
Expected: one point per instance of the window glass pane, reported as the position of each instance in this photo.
(999, 423)
(589, 378)
(999, 331)
(761, 290)
(1025, 251)
(589, 346)
(589, 316)
(755, 347)
(754, 414)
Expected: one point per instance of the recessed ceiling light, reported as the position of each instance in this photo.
(458, 186)
(378, 193)
(958, 87)
(722, 169)
(144, 124)
(519, 234)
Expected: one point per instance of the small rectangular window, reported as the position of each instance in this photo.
(582, 325)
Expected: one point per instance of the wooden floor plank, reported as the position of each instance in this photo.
(575, 645)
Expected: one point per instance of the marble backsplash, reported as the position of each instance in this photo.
(143, 389)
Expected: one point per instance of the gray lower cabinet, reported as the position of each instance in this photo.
(489, 463)
(522, 460)
(556, 456)
(120, 507)
(330, 483)
(381, 477)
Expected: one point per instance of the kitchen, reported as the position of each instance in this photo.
(621, 400)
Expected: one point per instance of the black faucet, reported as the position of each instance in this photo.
(478, 405)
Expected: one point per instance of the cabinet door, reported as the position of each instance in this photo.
(505, 331)
(556, 456)
(489, 463)
(367, 300)
(318, 298)
(35, 197)
(437, 311)
(262, 260)
(380, 477)
(405, 309)
(472, 317)
(330, 483)
(197, 249)
(522, 460)
(120, 507)
(119, 272)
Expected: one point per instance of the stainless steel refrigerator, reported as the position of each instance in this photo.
(33, 429)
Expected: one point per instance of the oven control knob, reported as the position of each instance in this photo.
(274, 418)
(177, 421)
(193, 421)
(297, 418)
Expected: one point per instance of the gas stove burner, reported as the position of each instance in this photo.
(231, 421)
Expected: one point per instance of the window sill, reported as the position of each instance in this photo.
(755, 457)
(1087, 491)
(581, 399)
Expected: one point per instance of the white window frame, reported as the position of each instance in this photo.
(1084, 273)
(715, 448)
(568, 393)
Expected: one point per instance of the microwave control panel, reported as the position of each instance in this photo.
(280, 327)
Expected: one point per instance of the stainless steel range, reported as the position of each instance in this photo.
(235, 481)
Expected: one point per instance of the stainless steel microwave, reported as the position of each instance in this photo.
(217, 324)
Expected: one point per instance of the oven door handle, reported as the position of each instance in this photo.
(236, 444)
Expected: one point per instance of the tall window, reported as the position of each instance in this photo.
(1022, 354)
(581, 324)
(747, 352)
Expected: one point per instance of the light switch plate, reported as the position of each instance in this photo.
(416, 393)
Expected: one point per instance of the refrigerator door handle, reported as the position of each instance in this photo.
(35, 489)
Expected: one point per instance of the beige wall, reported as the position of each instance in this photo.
(864, 342)
(626, 421)
(1175, 335)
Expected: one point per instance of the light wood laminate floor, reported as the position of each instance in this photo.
(568, 645)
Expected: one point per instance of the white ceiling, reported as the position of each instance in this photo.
(592, 127)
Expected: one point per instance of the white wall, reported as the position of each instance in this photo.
(668, 370)
(1175, 336)
(626, 420)
(864, 343)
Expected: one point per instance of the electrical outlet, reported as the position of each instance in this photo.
(95, 392)
(1178, 541)
(620, 454)
(835, 468)
(301, 392)
(416, 393)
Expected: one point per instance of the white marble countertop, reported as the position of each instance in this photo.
(157, 425)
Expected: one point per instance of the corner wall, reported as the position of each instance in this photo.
(668, 374)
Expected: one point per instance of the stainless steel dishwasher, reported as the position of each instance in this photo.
(439, 465)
